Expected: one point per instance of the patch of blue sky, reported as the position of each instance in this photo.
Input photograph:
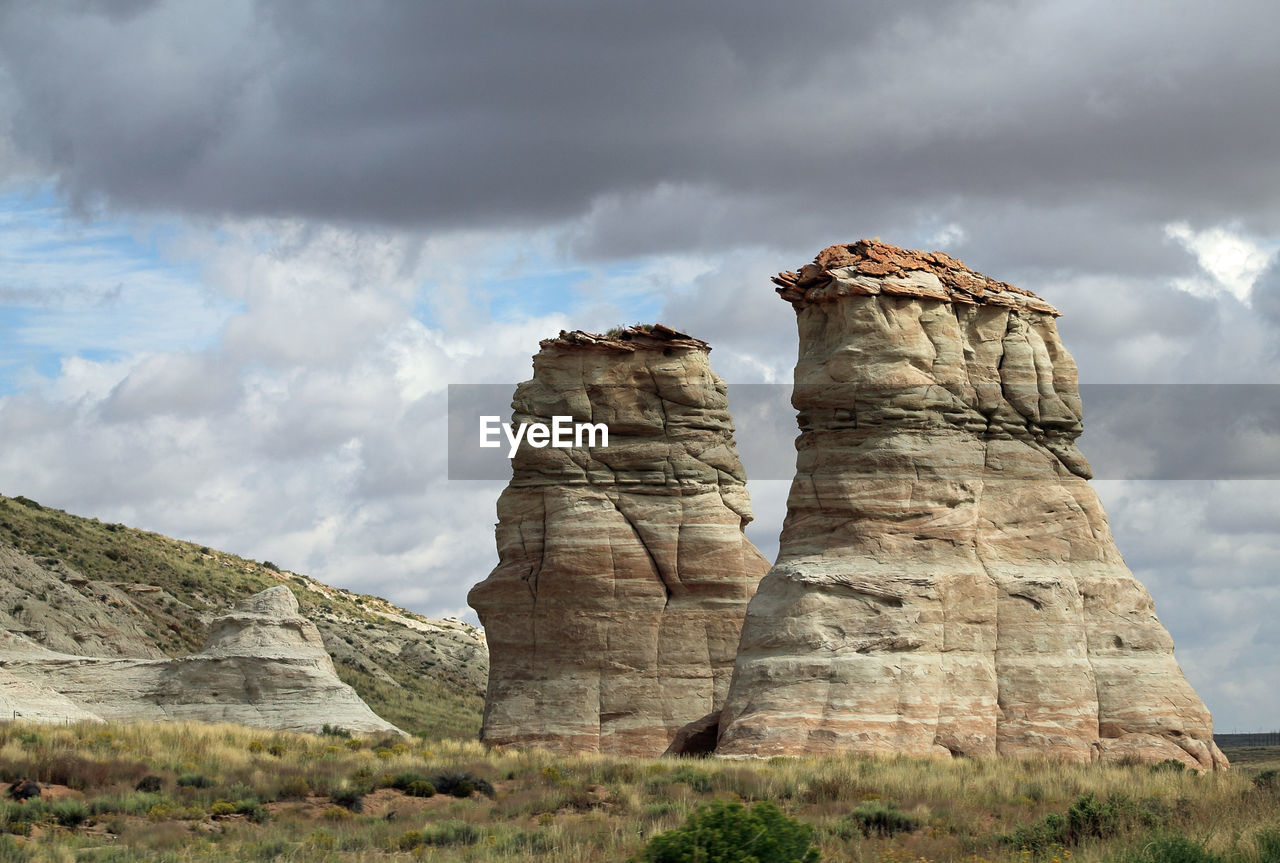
(534, 294)
(97, 290)
(633, 287)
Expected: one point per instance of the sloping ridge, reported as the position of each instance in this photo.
(86, 590)
(264, 666)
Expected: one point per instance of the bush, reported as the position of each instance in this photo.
(1267, 780)
(1268, 843)
(878, 818)
(727, 832)
(24, 789)
(294, 788)
(409, 840)
(12, 852)
(451, 832)
(194, 780)
(1040, 836)
(445, 833)
(413, 784)
(253, 810)
(457, 784)
(1086, 818)
(336, 813)
(350, 798)
(68, 813)
(1169, 765)
(1171, 849)
(697, 780)
(16, 818)
(421, 788)
(137, 803)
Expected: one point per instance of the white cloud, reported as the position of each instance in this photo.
(948, 236)
(1232, 261)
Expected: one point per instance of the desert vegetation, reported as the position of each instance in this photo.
(185, 791)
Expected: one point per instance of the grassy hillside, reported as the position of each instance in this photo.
(427, 676)
(220, 792)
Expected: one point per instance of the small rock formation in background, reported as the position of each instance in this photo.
(947, 583)
(614, 613)
(265, 665)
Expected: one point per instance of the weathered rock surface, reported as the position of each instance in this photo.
(265, 665)
(614, 613)
(947, 582)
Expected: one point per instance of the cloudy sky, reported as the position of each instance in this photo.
(245, 246)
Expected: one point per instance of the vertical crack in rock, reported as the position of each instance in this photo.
(937, 464)
(643, 570)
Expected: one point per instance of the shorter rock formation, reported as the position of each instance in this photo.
(614, 613)
(265, 665)
(947, 583)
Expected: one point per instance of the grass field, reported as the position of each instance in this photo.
(230, 793)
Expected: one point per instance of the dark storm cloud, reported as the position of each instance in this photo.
(1266, 292)
(827, 117)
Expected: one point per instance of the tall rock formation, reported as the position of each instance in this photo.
(947, 583)
(265, 665)
(614, 613)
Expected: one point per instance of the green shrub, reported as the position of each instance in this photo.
(1039, 836)
(269, 849)
(697, 780)
(137, 803)
(409, 840)
(421, 788)
(728, 832)
(457, 784)
(401, 781)
(68, 813)
(1169, 765)
(350, 798)
(1089, 817)
(194, 780)
(1268, 843)
(451, 832)
(1171, 849)
(294, 788)
(1267, 780)
(17, 818)
(1086, 818)
(880, 818)
(12, 852)
(253, 810)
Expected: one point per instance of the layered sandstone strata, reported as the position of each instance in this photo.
(947, 583)
(265, 665)
(614, 613)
